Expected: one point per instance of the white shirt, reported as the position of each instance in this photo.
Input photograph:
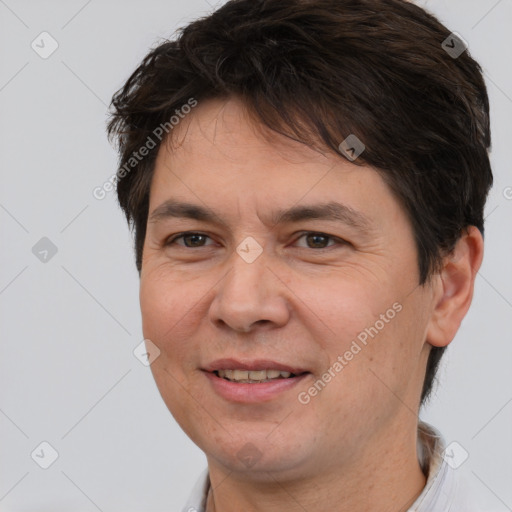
(445, 489)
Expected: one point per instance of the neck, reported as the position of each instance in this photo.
(385, 477)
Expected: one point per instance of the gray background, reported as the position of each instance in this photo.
(70, 324)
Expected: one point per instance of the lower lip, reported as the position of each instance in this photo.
(252, 393)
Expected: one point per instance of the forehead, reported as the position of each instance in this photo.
(219, 155)
(220, 138)
(228, 124)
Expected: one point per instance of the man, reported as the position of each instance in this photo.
(307, 181)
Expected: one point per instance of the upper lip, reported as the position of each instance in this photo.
(252, 365)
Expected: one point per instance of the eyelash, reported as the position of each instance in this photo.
(171, 241)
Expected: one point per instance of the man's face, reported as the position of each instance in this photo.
(302, 293)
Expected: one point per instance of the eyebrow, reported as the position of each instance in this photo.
(326, 211)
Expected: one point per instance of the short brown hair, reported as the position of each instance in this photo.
(319, 71)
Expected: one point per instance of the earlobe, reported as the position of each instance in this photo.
(453, 288)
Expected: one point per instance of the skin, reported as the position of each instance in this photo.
(353, 446)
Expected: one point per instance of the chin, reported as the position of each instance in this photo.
(257, 457)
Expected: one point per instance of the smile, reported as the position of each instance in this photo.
(254, 376)
(249, 390)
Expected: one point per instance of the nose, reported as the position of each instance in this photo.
(250, 295)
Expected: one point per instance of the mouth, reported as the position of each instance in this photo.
(254, 381)
(255, 376)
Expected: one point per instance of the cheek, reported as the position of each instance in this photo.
(164, 309)
(165, 296)
(381, 364)
(368, 338)
(156, 301)
(346, 309)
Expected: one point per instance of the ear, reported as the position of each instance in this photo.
(453, 288)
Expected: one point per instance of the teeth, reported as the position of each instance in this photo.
(240, 375)
(257, 375)
(247, 376)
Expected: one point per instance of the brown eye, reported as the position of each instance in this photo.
(317, 240)
(190, 239)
